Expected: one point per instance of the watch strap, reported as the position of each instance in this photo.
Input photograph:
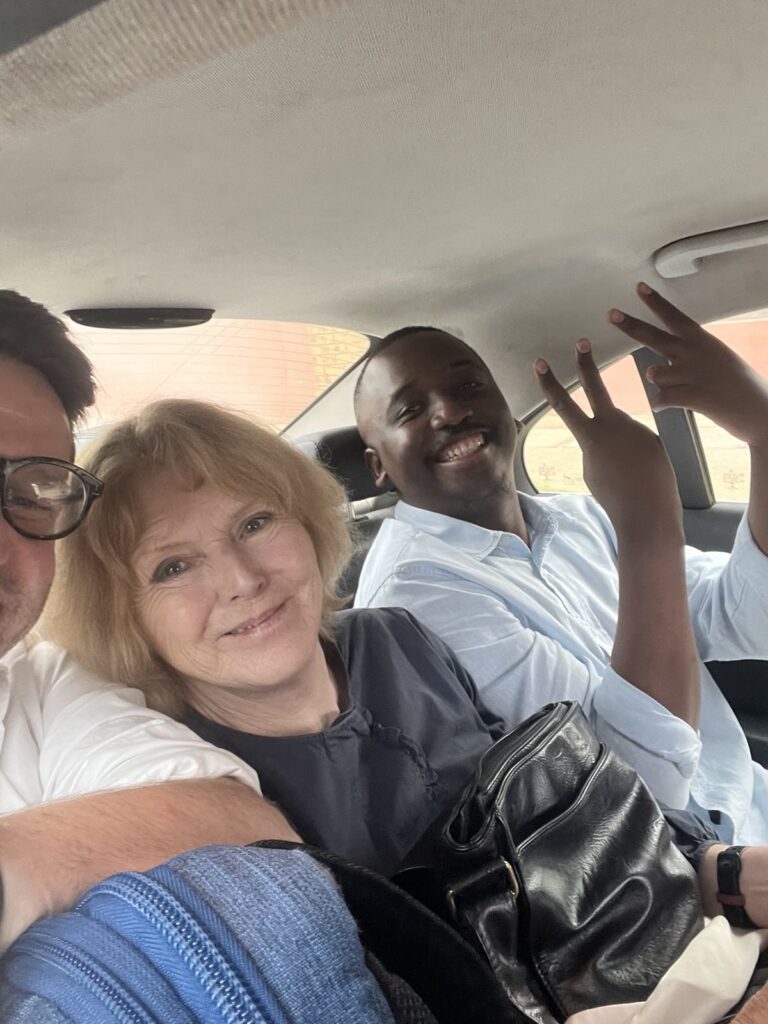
(729, 894)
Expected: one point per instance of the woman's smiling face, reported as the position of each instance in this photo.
(227, 593)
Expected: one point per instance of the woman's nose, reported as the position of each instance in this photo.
(239, 577)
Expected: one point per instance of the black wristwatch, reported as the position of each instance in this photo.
(729, 891)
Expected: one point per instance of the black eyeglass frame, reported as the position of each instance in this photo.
(94, 488)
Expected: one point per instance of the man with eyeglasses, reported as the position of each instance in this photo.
(45, 499)
(63, 732)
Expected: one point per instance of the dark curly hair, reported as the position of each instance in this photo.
(33, 336)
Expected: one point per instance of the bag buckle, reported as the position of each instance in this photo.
(480, 879)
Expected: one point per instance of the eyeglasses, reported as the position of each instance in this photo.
(45, 499)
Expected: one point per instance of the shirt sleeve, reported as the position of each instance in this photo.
(495, 724)
(98, 736)
(517, 669)
(692, 836)
(728, 598)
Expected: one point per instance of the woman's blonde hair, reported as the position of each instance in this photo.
(91, 609)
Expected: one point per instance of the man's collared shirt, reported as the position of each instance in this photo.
(64, 732)
(536, 624)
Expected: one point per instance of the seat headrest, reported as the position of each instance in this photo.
(341, 451)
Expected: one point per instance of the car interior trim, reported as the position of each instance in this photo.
(684, 257)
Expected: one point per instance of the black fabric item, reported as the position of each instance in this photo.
(406, 1006)
(342, 451)
(412, 943)
(394, 762)
(559, 866)
(692, 836)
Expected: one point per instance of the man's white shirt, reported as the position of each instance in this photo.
(65, 732)
(536, 624)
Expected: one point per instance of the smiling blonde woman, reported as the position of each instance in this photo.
(180, 447)
(207, 578)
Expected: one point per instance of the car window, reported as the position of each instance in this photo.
(270, 370)
(727, 457)
(551, 456)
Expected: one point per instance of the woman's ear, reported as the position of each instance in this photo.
(373, 462)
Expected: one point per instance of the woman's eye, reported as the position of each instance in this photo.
(256, 523)
(169, 570)
(470, 385)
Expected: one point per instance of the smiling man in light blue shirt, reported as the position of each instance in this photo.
(559, 598)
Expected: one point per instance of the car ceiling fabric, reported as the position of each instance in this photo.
(366, 163)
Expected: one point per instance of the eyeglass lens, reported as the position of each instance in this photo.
(44, 499)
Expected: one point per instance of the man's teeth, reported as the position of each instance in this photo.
(464, 447)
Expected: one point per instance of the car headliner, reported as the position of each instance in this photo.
(505, 169)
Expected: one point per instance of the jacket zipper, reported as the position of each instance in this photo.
(218, 979)
(88, 973)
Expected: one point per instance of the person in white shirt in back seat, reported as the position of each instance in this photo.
(559, 598)
(64, 732)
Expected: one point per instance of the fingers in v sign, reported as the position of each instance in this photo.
(625, 465)
(701, 373)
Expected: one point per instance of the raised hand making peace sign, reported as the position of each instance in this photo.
(625, 465)
(702, 373)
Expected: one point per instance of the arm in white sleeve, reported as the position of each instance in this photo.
(97, 736)
(122, 788)
(728, 598)
(517, 670)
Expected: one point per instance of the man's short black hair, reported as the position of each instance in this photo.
(378, 347)
(33, 336)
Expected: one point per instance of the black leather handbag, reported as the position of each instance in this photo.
(558, 865)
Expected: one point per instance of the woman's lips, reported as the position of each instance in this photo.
(258, 624)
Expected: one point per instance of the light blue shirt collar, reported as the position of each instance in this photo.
(479, 542)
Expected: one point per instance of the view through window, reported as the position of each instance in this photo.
(553, 459)
(551, 455)
(727, 457)
(268, 370)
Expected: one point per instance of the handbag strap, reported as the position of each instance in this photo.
(485, 905)
(447, 973)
